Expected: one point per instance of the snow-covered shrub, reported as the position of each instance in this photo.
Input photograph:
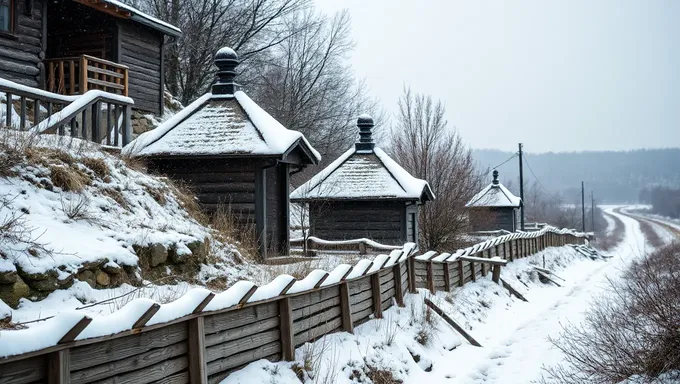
(631, 332)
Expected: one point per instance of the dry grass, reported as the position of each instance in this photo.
(157, 194)
(228, 229)
(116, 196)
(650, 234)
(381, 376)
(69, 179)
(608, 241)
(98, 166)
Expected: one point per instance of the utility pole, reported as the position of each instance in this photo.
(521, 186)
(592, 210)
(583, 207)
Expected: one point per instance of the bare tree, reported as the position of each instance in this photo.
(307, 84)
(251, 27)
(425, 146)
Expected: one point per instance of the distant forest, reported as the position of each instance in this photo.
(615, 177)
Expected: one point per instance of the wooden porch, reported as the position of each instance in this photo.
(77, 75)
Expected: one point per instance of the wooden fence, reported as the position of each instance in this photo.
(211, 335)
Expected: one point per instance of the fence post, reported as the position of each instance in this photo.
(197, 366)
(346, 308)
(430, 276)
(286, 329)
(447, 278)
(496, 274)
(473, 274)
(398, 293)
(375, 295)
(461, 274)
(58, 367)
(127, 125)
(411, 262)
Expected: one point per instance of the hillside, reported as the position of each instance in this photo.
(74, 217)
(614, 176)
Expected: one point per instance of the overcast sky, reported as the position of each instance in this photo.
(556, 75)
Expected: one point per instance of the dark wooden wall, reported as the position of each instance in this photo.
(21, 54)
(230, 184)
(141, 50)
(382, 221)
(491, 219)
(74, 29)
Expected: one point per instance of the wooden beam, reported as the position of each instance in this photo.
(512, 290)
(346, 308)
(496, 273)
(452, 323)
(146, 316)
(398, 293)
(58, 367)
(286, 329)
(198, 372)
(429, 283)
(461, 274)
(76, 330)
(204, 303)
(375, 295)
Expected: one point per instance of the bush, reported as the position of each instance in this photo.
(632, 332)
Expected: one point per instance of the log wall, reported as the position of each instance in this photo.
(206, 346)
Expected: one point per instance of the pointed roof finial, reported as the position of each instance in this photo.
(365, 143)
(495, 177)
(226, 61)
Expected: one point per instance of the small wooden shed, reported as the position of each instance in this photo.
(364, 194)
(234, 154)
(494, 208)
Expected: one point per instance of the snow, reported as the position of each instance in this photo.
(143, 15)
(363, 175)
(272, 289)
(216, 125)
(334, 277)
(183, 306)
(378, 263)
(42, 335)
(118, 321)
(231, 296)
(360, 268)
(311, 281)
(494, 195)
(371, 243)
(38, 92)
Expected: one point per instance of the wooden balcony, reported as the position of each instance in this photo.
(77, 75)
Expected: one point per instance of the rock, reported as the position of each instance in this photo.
(66, 283)
(175, 257)
(199, 249)
(88, 277)
(103, 279)
(111, 268)
(8, 277)
(92, 265)
(40, 281)
(118, 279)
(158, 254)
(12, 294)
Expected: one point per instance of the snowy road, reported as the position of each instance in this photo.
(519, 355)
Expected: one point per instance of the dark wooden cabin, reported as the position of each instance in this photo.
(364, 194)
(494, 208)
(71, 46)
(234, 155)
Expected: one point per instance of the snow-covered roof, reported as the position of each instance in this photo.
(219, 125)
(363, 175)
(141, 17)
(495, 195)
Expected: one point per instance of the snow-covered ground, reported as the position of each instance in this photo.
(514, 334)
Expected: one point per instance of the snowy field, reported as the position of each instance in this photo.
(412, 346)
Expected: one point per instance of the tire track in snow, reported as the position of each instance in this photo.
(520, 356)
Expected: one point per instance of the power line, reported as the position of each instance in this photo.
(510, 158)
(539, 181)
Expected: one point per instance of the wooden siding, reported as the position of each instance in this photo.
(21, 54)
(140, 49)
(491, 219)
(382, 221)
(278, 215)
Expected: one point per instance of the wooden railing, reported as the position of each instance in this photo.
(77, 75)
(97, 116)
(203, 336)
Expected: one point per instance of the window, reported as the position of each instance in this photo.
(6, 13)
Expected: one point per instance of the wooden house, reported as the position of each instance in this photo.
(494, 208)
(71, 46)
(364, 194)
(234, 155)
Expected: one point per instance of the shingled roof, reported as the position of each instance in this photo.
(495, 195)
(364, 172)
(223, 123)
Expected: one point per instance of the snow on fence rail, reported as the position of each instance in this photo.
(360, 245)
(202, 336)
